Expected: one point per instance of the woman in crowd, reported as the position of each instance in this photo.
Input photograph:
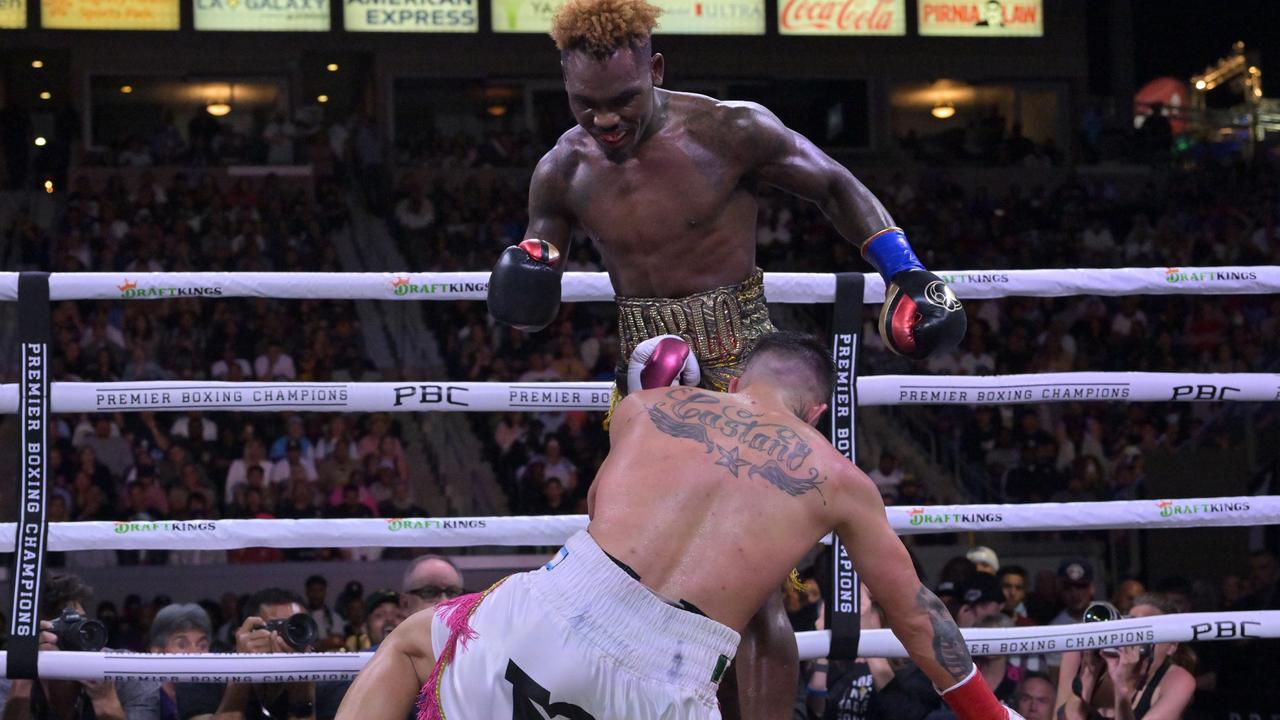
(1144, 682)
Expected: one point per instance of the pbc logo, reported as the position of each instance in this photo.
(1202, 392)
(1225, 630)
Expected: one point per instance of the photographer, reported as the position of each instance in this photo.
(263, 632)
(63, 626)
(1148, 681)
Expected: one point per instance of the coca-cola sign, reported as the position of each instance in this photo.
(842, 17)
(984, 18)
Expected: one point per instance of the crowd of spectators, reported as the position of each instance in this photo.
(354, 621)
(256, 136)
(979, 591)
(191, 466)
(1198, 680)
(459, 202)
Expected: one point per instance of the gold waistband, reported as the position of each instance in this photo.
(721, 325)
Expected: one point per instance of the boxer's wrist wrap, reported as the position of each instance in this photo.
(971, 699)
(889, 253)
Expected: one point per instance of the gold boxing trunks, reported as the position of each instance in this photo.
(721, 325)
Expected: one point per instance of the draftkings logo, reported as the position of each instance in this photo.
(129, 289)
(398, 524)
(401, 286)
(1173, 508)
(122, 527)
(919, 516)
(975, 278)
(1178, 275)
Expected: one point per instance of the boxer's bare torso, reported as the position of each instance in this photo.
(675, 212)
(679, 216)
(712, 498)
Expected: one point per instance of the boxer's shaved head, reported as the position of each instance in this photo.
(800, 363)
(601, 27)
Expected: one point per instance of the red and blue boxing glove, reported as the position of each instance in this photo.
(921, 316)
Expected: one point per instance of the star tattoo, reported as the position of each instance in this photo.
(729, 459)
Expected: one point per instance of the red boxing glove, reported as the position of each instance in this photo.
(971, 699)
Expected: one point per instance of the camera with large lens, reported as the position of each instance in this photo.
(77, 632)
(299, 631)
(1101, 611)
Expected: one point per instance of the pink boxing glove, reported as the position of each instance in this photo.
(662, 361)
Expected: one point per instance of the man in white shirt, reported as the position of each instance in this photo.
(194, 423)
(275, 364)
(887, 475)
(254, 455)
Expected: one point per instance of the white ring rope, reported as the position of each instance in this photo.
(553, 530)
(595, 287)
(1186, 627)
(254, 668)
(445, 396)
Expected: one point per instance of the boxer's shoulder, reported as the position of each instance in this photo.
(733, 124)
(570, 150)
(556, 168)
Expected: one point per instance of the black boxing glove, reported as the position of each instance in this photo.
(921, 316)
(524, 288)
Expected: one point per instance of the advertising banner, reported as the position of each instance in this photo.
(252, 15)
(842, 17)
(679, 17)
(109, 14)
(13, 14)
(461, 16)
(986, 18)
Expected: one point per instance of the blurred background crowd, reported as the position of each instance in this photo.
(352, 162)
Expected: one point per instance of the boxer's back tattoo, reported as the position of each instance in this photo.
(725, 431)
(949, 649)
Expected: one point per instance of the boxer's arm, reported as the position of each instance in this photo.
(388, 686)
(789, 161)
(916, 616)
(524, 287)
(550, 218)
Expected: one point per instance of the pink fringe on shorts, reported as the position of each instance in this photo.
(456, 614)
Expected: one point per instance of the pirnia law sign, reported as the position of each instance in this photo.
(984, 18)
(842, 17)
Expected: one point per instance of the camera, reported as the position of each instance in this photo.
(299, 631)
(1102, 611)
(76, 632)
